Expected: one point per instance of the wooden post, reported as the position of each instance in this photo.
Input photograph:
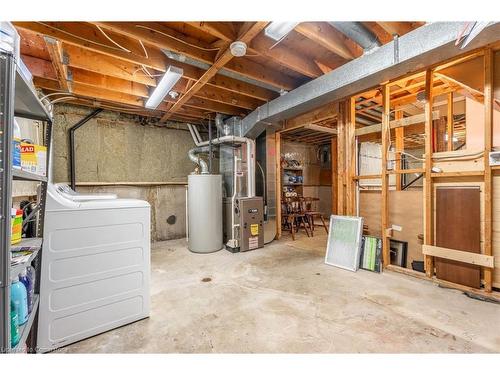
(278, 184)
(400, 146)
(351, 158)
(334, 175)
(488, 143)
(449, 122)
(386, 102)
(341, 161)
(428, 193)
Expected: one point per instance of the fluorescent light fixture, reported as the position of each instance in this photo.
(278, 30)
(167, 82)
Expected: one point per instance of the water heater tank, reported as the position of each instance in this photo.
(204, 213)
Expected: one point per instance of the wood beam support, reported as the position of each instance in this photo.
(334, 175)
(351, 148)
(428, 187)
(278, 184)
(341, 158)
(488, 146)
(386, 133)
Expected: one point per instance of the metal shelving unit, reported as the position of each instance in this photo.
(18, 98)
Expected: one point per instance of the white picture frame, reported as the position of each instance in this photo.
(344, 241)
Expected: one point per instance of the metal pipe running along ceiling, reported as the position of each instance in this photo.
(420, 48)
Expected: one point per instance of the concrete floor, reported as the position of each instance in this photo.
(283, 298)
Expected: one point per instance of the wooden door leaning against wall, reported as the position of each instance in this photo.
(458, 227)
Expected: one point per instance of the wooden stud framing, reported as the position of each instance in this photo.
(386, 100)
(488, 143)
(278, 184)
(341, 158)
(334, 175)
(458, 255)
(351, 184)
(428, 201)
(400, 146)
(449, 122)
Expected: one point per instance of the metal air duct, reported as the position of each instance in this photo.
(359, 33)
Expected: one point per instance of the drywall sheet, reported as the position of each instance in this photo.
(344, 240)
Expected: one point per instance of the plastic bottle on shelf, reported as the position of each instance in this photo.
(32, 275)
(23, 277)
(16, 146)
(19, 296)
(14, 325)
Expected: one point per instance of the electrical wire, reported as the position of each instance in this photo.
(146, 71)
(79, 37)
(64, 98)
(111, 40)
(144, 49)
(178, 39)
(54, 93)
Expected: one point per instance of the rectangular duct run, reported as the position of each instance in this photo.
(420, 48)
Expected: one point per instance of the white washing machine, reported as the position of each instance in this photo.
(95, 268)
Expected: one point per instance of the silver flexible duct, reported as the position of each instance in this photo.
(197, 160)
(223, 129)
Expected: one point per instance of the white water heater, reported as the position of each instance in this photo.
(204, 213)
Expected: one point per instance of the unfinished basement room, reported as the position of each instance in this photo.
(237, 187)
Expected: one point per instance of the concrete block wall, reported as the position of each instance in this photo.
(116, 148)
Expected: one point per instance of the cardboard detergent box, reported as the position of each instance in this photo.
(34, 158)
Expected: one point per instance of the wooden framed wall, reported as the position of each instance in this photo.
(345, 179)
(453, 171)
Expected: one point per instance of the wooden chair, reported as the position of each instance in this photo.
(311, 213)
(292, 216)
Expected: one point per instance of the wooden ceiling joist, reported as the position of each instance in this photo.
(87, 36)
(56, 54)
(120, 63)
(329, 38)
(264, 46)
(156, 35)
(246, 37)
(326, 112)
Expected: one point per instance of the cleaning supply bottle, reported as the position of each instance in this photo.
(32, 275)
(16, 146)
(19, 296)
(14, 325)
(23, 277)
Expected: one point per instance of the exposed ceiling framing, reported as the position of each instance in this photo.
(118, 64)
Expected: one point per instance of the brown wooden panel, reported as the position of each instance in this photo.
(458, 227)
